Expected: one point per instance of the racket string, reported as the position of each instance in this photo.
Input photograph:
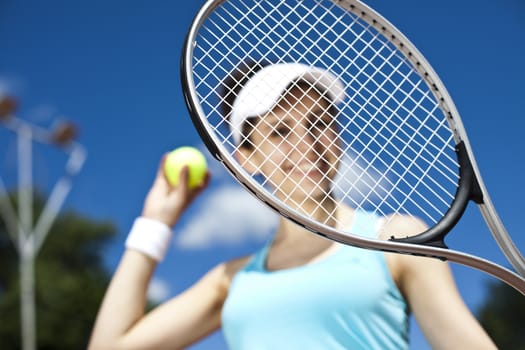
(396, 147)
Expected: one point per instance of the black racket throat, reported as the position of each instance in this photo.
(468, 190)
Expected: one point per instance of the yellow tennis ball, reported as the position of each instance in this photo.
(185, 156)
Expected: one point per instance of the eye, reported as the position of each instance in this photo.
(280, 130)
(322, 124)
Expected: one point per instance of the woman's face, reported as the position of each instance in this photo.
(296, 147)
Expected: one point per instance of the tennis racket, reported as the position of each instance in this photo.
(399, 143)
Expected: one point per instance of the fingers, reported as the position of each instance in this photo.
(162, 180)
(185, 190)
(184, 180)
(196, 191)
(205, 182)
(165, 202)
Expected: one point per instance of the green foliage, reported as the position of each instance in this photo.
(503, 316)
(70, 280)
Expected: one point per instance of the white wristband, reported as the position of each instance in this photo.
(150, 237)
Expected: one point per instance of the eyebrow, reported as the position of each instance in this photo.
(272, 119)
(318, 112)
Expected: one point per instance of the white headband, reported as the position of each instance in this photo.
(260, 94)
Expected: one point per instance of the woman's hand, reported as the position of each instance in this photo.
(166, 203)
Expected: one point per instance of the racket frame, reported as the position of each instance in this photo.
(429, 243)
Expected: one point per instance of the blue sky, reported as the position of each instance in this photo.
(112, 67)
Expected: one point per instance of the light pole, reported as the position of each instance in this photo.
(26, 237)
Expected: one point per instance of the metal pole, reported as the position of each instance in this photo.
(27, 296)
(27, 236)
(26, 251)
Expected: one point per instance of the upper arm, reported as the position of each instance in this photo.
(430, 290)
(438, 307)
(444, 318)
(186, 318)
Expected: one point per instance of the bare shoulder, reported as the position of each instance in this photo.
(230, 268)
(222, 274)
(399, 225)
(403, 265)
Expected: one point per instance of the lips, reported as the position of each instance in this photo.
(310, 169)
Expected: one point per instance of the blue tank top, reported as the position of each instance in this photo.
(347, 300)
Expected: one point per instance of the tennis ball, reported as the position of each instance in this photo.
(185, 156)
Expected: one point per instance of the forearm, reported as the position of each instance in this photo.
(125, 300)
(121, 322)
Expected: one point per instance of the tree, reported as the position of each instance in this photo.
(503, 316)
(70, 281)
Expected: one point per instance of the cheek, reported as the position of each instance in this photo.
(272, 159)
(336, 147)
(331, 142)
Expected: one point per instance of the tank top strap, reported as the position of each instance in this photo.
(258, 260)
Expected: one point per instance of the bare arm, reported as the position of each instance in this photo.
(181, 321)
(121, 322)
(429, 287)
(439, 309)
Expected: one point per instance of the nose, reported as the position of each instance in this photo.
(304, 140)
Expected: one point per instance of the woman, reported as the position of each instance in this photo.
(300, 291)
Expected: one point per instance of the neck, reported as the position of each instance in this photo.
(323, 211)
(294, 245)
(328, 213)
